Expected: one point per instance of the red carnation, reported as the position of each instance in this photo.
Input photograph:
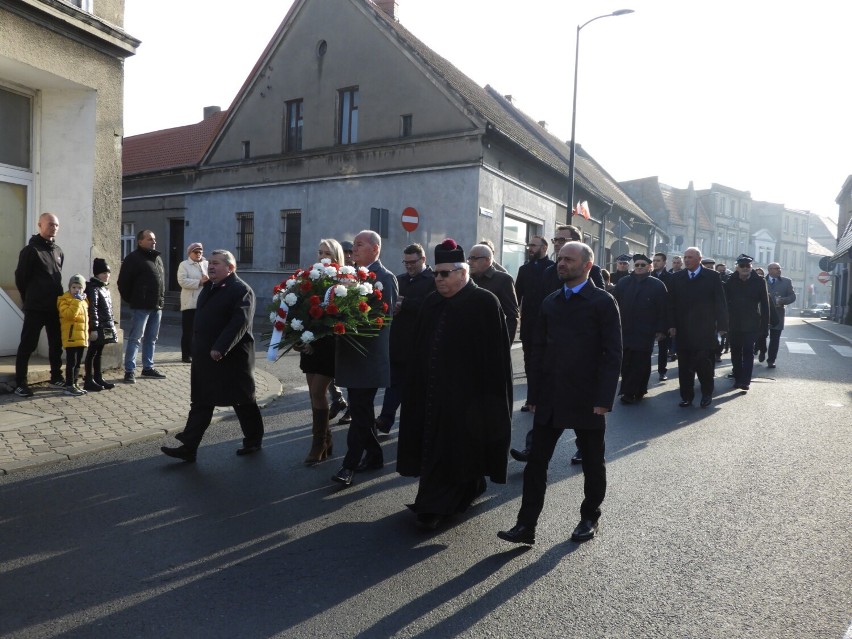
(363, 306)
(332, 309)
(339, 328)
(384, 307)
(306, 286)
(276, 289)
(315, 311)
(380, 321)
(314, 300)
(371, 275)
(377, 293)
(281, 312)
(361, 275)
(279, 325)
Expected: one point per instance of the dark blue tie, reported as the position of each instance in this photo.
(568, 293)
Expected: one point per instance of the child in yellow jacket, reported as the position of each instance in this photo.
(74, 323)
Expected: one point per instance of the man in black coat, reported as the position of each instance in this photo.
(748, 318)
(414, 285)
(530, 291)
(38, 278)
(643, 305)
(222, 372)
(480, 259)
(142, 285)
(697, 311)
(457, 403)
(363, 372)
(664, 345)
(576, 359)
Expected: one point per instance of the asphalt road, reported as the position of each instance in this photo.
(728, 522)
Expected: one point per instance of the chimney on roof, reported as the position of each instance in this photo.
(211, 111)
(542, 124)
(508, 98)
(390, 7)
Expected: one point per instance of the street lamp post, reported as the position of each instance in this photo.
(620, 12)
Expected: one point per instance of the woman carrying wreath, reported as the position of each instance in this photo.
(317, 363)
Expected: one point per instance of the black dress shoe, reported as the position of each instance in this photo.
(684, 403)
(186, 359)
(585, 530)
(428, 521)
(519, 534)
(706, 401)
(369, 465)
(770, 364)
(179, 452)
(248, 450)
(346, 418)
(382, 426)
(730, 376)
(663, 377)
(520, 455)
(628, 399)
(577, 458)
(525, 408)
(344, 476)
(743, 387)
(337, 405)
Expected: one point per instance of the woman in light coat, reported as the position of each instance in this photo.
(191, 276)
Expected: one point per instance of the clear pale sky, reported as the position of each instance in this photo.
(751, 94)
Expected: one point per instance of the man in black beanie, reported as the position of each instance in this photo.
(457, 405)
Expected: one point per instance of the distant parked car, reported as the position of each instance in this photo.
(822, 310)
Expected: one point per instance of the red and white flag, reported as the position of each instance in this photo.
(582, 208)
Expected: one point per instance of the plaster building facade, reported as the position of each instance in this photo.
(61, 92)
(789, 227)
(348, 121)
(842, 256)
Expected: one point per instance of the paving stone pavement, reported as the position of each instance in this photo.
(51, 427)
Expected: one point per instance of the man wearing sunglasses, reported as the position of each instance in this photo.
(643, 304)
(457, 403)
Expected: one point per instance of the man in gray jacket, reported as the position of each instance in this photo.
(781, 294)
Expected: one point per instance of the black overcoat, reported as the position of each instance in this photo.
(223, 323)
(530, 291)
(413, 290)
(462, 384)
(643, 305)
(503, 287)
(748, 304)
(697, 309)
(576, 358)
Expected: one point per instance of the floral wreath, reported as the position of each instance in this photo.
(325, 300)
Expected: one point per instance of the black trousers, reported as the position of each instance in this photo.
(251, 422)
(361, 439)
(34, 321)
(692, 363)
(187, 319)
(635, 372)
(774, 343)
(93, 362)
(663, 347)
(590, 443)
(742, 355)
(73, 358)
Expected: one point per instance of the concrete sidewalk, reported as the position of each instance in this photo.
(840, 331)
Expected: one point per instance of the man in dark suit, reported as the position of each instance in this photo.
(664, 345)
(363, 372)
(575, 359)
(748, 318)
(530, 291)
(414, 285)
(781, 294)
(697, 311)
(480, 259)
(222, 372)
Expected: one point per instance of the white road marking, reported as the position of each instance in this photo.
(800, 348)
(845, 351)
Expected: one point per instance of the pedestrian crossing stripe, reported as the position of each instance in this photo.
(800, 348)
(845, 351)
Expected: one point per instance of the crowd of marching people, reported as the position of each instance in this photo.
(588, 337)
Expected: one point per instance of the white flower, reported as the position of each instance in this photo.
(326, 261)
(340, 291)
(297, 325)
(379, 286)
(347, 270)
(290, 299)
(307, 336)
(291, 283)
(365, 289)
(330, 271)
(316, 273)
(363, 269)
(318, 266)
(273, 317)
